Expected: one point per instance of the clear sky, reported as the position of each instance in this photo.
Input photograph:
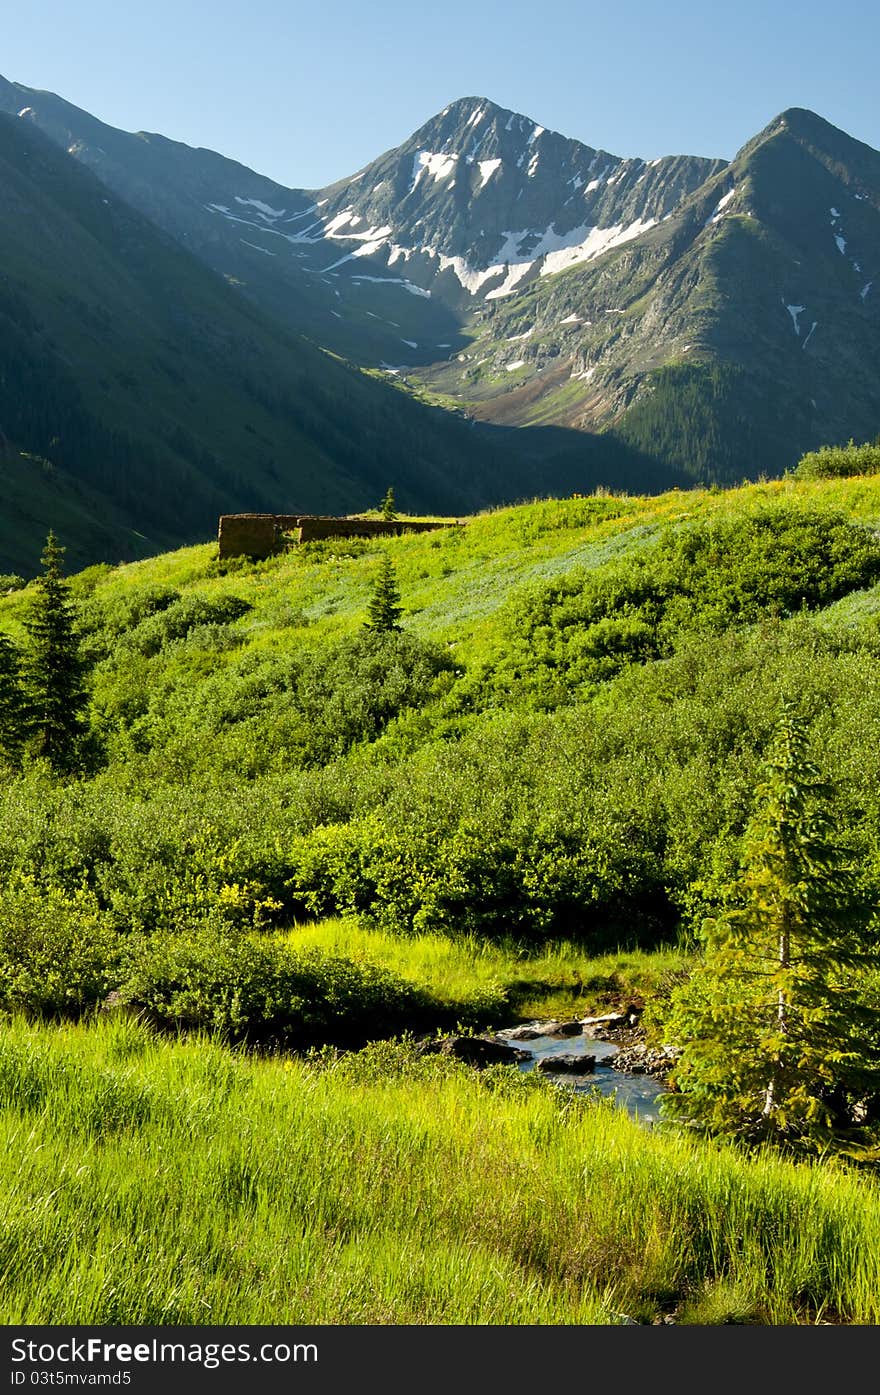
(309, 92)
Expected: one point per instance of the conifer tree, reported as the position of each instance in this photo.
(11, 702)
(53, 673)
(779, 1039)
(388, 511)
(384, 609)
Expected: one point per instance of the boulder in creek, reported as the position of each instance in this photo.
(569, 1064)
(477, 1051)
(640, 1059)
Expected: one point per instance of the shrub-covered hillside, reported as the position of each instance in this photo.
(561, 740)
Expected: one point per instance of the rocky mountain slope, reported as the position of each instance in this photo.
(716, 318)
(733, 335)
(141, 395)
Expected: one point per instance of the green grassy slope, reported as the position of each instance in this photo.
(172, 1183)
(454, 582)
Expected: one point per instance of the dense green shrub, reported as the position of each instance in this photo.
(261, 711)
(177, 619)
(103, 621)
(255, 989)
(586, 626)
(599, 820)
(58, 950)
(835, 462)
(351, 691)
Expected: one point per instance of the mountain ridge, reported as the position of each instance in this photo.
(138, 386)
(714, 317)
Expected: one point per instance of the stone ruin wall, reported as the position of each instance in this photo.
(262, 534)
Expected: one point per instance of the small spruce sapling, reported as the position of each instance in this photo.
(53, 671)
(388, 510)
(384, 609)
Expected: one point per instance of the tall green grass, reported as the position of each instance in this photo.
(560, 977)
(148, 1181)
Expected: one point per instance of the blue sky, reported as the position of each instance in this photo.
(308, 93)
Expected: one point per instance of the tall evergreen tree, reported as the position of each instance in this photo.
(11, 702)
(779, 1037)
(384, 609)
(53, 672)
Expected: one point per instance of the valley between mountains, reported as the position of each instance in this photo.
(488, 312)
(294, 846)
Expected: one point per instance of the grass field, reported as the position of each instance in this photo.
(159, 1182)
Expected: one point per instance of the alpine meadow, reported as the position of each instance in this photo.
(454, 900)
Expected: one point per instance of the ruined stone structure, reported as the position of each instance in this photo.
(262, 534)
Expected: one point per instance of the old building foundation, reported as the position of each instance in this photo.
(262, 534)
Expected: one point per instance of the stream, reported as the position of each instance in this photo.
(639, 1095)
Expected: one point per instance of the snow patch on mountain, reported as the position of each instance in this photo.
(515, 273)
(264, 250)
(520, 251)
(338, 222)
(574, 249)
(261, 207)
(395, 281)
(438, 166)
(718, 211)
(487, 168)
(795, 311)
(468, 276)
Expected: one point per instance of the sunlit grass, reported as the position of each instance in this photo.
(454, 581)
(559, 978)
(148, 1181)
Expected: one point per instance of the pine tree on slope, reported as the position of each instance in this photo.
(779, 1038)
(11, 702)
(384, 609)
(53, 672)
